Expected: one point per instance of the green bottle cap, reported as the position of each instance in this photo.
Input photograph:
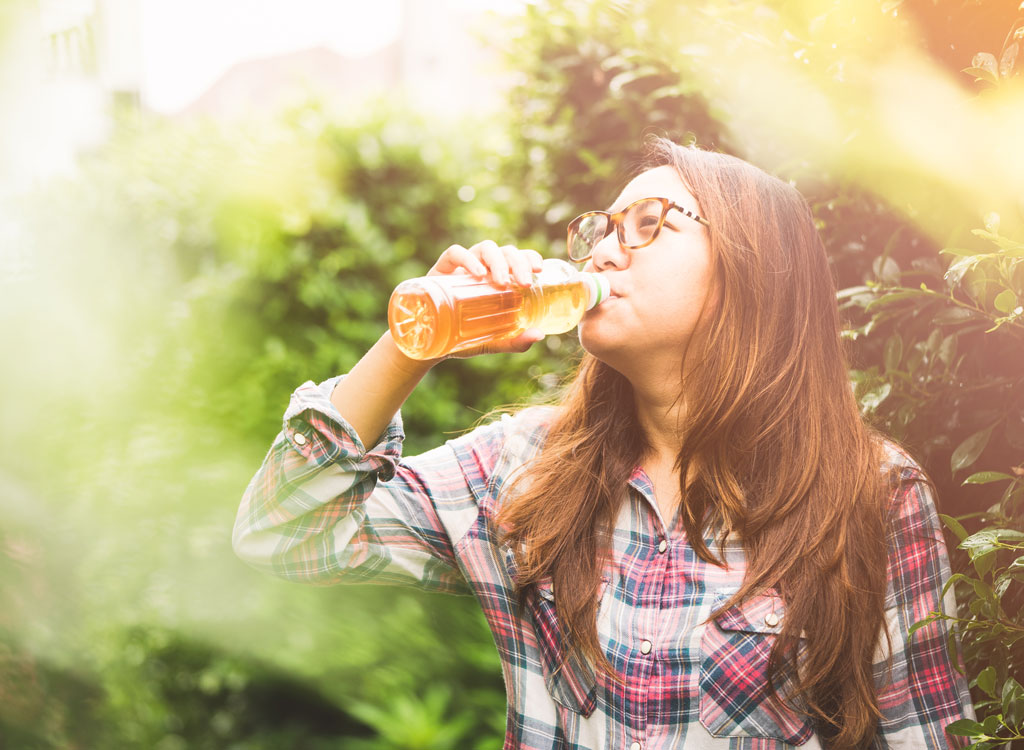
(598, 288)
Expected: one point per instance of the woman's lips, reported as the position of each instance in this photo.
(607, 301)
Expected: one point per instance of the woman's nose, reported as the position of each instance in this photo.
(608, 253)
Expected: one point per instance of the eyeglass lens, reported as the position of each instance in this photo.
(638, 227)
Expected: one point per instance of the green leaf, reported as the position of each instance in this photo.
(886, 270)
(951, 648)
(873, 398)
(885, 299)
(921, 624)
(987, 680)
(1002, 242)
(980, 542)
(947, 350)
(991, 725)
(1009, 59)
(953, 315)
(982, 589)
(1002, 583)
(959, 252)
(952, 580)
(1013, 496)
(632, 75)
(954, 525)
(969, 450)
(851, 291)
(1005, 301)
(893, 352)
(959, 267)
(987, 62)
(983, 564)
(964, 728)
(863, 299)
(981, 74)
(985, 543)
(984, 477)
(1012, 699)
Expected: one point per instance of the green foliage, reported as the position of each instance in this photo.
(593, 86)
(951, 382)
(948, 341)
(195, 278)
(990, 624)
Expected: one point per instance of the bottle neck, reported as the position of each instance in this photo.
(598, 288)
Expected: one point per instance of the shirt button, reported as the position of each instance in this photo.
(645, 647)
(635, 746)
(299, 438)
(663, 546)
(771, 619)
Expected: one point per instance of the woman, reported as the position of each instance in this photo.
(737, 558)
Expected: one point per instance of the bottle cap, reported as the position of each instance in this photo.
(420, 318)
(598, 288)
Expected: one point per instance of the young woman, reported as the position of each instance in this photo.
(701, 545)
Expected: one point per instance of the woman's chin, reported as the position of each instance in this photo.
(595, 343)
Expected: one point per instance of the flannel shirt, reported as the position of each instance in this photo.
(324, 509)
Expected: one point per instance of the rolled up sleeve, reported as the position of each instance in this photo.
(323, 508)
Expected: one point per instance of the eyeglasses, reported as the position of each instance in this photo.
(638, 225)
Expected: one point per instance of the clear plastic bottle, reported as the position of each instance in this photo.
(433, 316)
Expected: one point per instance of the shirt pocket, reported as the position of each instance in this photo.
(570, 679)
(734, 696)
(571, 682)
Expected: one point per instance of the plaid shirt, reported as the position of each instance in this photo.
(323, 509)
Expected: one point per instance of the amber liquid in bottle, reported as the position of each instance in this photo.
(437, 315)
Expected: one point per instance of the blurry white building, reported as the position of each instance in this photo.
(436, 62)
(67, 65)
(64, 65)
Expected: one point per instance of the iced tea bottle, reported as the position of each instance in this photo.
(433, 316)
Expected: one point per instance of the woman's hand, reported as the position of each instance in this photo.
(502, 266)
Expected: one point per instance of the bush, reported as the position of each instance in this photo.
(951, 384)
(195, 278)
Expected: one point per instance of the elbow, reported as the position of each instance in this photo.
(241, 543)
(250, 544)
(252, 547)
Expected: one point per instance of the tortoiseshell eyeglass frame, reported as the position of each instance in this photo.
(616, 221)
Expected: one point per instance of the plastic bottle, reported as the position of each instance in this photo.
(433, 316)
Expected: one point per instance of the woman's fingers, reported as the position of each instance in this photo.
(536, 260)
(519, 344)
(495, 259)
(503, 265)
(519, 263)
(457, 257)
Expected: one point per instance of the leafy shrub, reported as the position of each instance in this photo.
(951, 384)
(195, 277)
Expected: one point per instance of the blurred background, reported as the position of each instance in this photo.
(204, 204)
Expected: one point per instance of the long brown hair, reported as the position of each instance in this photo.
(782, 459)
